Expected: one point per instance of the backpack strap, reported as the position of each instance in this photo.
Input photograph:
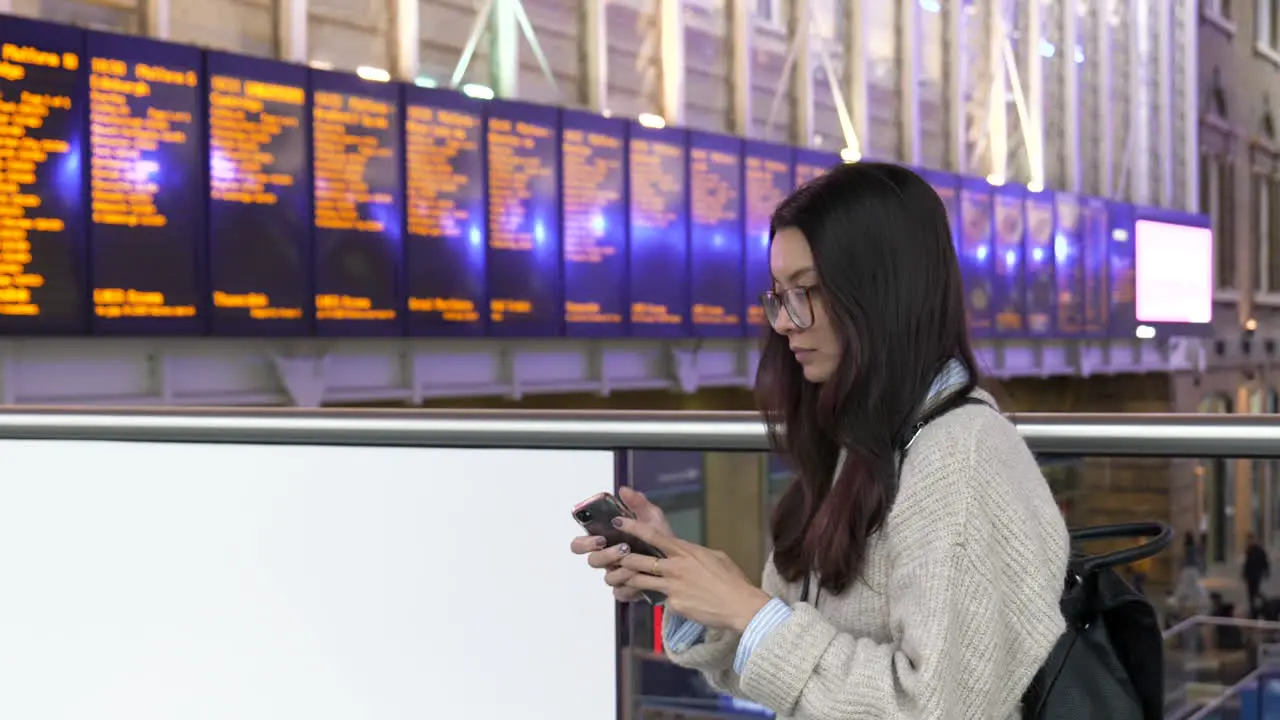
(934, 414)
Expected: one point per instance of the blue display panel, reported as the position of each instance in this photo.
(715, 235)
(1042, 304)
(524, 219)
(977, 226)
(259, 197)
(446, 220)
(1069, 267)
(358, 242)
(1008, 298)
(594, 200)
(659, 216)
(768, 181)
(147, 185)
(1121, 270)
(810, 164)
(948, 188)
(1094, 241)
(43, 281)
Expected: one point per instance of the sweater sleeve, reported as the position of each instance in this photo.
(973, 588)
(714, 655)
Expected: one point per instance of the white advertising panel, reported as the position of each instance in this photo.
(153, 581)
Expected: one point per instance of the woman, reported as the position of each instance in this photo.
(920, 584)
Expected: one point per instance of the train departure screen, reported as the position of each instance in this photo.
(524, 212)
(146, 185)
(595, 233)
(659, 232)
(445, 213)
(42, 243)
(356, 139)
(811, 164)
(260, 197)
(768, 181)
(715, 234)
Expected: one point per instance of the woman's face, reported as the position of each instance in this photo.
(816, 347)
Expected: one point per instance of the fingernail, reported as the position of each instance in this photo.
(599, 542)
(617, 522)
(623, 549)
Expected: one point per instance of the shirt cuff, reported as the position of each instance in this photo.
(682, 633)
(770, 616)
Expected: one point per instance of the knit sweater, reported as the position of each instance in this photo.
(956, 607)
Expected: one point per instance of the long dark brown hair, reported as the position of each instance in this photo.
(889, 281)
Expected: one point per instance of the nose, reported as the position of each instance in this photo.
(784, 326)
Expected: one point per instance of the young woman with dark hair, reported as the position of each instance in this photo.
(918, 553)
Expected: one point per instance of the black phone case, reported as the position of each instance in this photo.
(602, 512)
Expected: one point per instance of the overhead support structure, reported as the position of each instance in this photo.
(406, 42)
(1103, 102)
(957, 85)
(909, 55)
(1031, 116)
(997, 98)
(291, 20)
(1069, 154)
(802, 127)
(157, 18)
(741, 29)
(1189, 24)
(505, 21)
(672, 60)
(1166, 153)
(595, 55)
(1138, 146)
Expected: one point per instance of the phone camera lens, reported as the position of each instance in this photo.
(584, 516)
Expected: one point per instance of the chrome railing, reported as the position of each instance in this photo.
(1163, 435)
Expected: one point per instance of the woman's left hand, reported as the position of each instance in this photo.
(701, 584)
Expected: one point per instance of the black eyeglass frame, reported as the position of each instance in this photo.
(792, 300)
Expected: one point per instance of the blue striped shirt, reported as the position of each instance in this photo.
(682, 633)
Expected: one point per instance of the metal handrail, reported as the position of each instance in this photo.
(1151, 435)
(1218, 621)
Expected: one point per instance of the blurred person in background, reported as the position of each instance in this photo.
(1256, 568)
(919, 555)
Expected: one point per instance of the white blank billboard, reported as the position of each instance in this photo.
(151, 581)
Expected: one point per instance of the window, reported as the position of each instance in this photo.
(1217, 9)
(1217, 198)
(1267, 27)
(1266, 218)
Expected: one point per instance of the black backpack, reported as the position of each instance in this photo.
(1109, 662)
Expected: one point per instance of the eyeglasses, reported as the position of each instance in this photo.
(795, 301)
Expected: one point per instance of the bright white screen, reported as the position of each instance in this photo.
(230, 582)
(1174, 273)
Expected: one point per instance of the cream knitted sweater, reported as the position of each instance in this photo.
(957, 607)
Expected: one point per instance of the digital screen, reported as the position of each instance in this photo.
(147, 185)
(43, 285)
(977, 228)
(811, 164)
(595, 224)
(445, 218)
(524, 219)
(768, 180)
(1095, 243)
(259, 197)
(1174, 272)
(1123, 274)
(1008, 298)
(1042, 305)
(659, 232)
(1069, 267)
(715, 235)
(358, 244)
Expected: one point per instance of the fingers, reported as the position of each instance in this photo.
(639, 564)
(586, 544)
(643, 531)
(648, 582)
(608, 556)
(634, 499)
(618, 577)
(626, 594)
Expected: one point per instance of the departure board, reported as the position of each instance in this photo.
(259, 197)
(595, 224)
(43, 285)
(446, 222)
(768, 181)
(147, 185)
(524, 219)
(811, 164)
(358, 251)
(659, 250)
(715, 235)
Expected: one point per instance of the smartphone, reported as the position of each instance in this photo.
(596, 514)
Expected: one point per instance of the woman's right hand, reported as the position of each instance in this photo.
(599, 556)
